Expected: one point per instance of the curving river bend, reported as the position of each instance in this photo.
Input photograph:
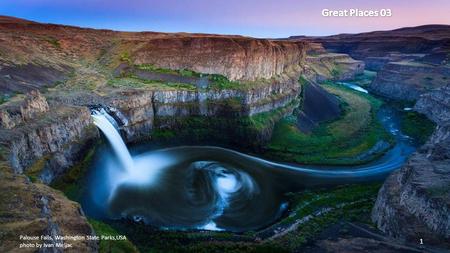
(213, 188)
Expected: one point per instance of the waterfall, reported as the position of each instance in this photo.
(103, 121)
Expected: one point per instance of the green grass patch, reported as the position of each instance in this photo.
(216, 81)
(55, 42)
(229, 129)
(107, 246)
(125, 57)
(417, 126)
(365, 79)
(335, 142)
(352, 203)
(135, 82)
(34, 171)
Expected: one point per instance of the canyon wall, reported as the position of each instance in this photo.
(410, 61)
(414, 202)
(380, 47)
(42, 140)
(238, 58)
(407, 80)
(35, 55)
(331, 66)
(33, 209)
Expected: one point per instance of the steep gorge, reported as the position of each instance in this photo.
(414, 201)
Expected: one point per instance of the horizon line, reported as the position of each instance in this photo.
(205, 33)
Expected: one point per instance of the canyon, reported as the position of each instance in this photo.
(418, 194)
(52, 76)
(411, 60)
(48, 130)
(412, 65)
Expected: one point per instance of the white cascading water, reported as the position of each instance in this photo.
(120, 149)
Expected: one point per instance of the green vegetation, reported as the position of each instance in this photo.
(36, 168)
(69, 182)
(344, 203)
(125, 57)
(302, 80)
(135, 82)
(245, 131)
(55, 42)
(116, 246)
(336, 142)
(365, 79)
(216, 81)
(6, 97)
(336, 72)
(417, 126)
(153, 68)
(3, 99)
(324, 207)
(309, 201)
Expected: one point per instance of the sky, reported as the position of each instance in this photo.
(257, 18)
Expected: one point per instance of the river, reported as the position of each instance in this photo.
(213, 188)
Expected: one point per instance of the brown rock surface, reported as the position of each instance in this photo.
(332, 66)
(53, 141)
(237, 58)
(15, 113)
(36, 209)
(52, 52)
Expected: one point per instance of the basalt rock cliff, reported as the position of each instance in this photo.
(379, 47)
(237, 58)
(414, 202)
(407, 80)
(35, 55)
(43, 134)
(410, 61)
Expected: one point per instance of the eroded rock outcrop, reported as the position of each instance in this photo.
(238, 58)
(31, 209)
(152, 109)
(33, 105)
(51, 139)
(414, 202)
(332, 66)
(436, 105)
(38, 55)
(380, 47)
(407, 80)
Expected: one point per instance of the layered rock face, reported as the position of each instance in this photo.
(317, 106)
(396, 44)
(237, 58)
(407, 80)
(414, 202)
(332, 66)
(33, 105)
(144, 111)
(41, 142)
(34, 131)
(436, 105)
(410, 61)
